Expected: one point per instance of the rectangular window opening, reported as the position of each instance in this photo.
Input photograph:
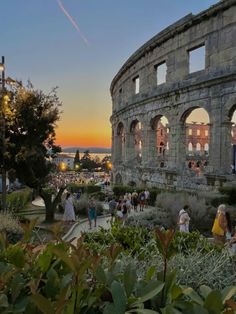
(197, 59)
(136, 84)
(161, 71)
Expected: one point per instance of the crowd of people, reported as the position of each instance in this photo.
(121, 208)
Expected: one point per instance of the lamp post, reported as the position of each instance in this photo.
(3, 135)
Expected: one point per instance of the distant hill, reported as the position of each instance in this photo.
(94, 150)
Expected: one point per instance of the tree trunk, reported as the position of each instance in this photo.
(50, 203)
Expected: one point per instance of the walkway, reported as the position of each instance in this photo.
(104, 221)
(83, 226)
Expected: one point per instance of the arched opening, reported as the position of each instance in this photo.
(233, 140)
(196, 121)
(118, 179)
(190, 148)
(120, 141)
(160, 125)
(136, 134)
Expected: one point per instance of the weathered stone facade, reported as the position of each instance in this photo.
(139, 101)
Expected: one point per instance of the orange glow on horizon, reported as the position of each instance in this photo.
(84, 140)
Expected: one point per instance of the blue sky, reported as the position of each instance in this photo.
(39, 43)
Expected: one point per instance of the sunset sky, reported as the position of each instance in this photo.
(79, 45)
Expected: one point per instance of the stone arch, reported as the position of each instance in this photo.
(118, 179)
(120, 128)
(136, 140)
(159, 125)
(120, 140)
(198, 122)
(231, 115)
(206, 147)
(229, 108)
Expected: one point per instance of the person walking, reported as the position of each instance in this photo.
(112, 208)
(69, 212)
(134, 199)
(184, 219)
(141, 199)
(92, 213)
(220, 227)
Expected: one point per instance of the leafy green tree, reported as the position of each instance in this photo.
(77, 160)
(30, 130)
(87, 162)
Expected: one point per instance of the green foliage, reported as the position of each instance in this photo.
(230, 192)
(10, 226)
(89, 189)
(120, 190)
(81, 206)
(92, 189)
(153, 196)
(192, 241)
(171, 203)
(18, 200)
(64, 278)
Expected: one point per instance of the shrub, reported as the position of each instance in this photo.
(171, 203)
(230, 192)
(101, 196)
(89, 189)
(74, 187)
(18, 200)
(81, 206)
(153, 196)
(214, 269)
(11, 227)
(120, 190)
(149, 220)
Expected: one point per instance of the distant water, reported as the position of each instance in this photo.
(93, 155)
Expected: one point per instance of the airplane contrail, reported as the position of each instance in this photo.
(70, 18)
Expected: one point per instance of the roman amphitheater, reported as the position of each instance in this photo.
(187, 67)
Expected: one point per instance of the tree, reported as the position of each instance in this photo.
(87, 162)
(77, 160)
(30, 130)
(106, 163)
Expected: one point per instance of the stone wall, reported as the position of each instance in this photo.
(212, 87)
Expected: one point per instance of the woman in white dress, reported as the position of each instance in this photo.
(69, 213)
(184, 220)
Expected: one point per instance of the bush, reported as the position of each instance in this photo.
(81, 206)
(75, 188)
(153, 196)
(214, 269)
(200, 213)
(149, 220)
(18, 200)
(120, 190)
(101, 196)
(230, 192)
(11, 227)
(89, 189)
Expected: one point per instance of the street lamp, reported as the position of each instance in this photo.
(4, 102)
(3, 135)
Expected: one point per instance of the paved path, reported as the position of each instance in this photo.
(104, 222)
(80, 227)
